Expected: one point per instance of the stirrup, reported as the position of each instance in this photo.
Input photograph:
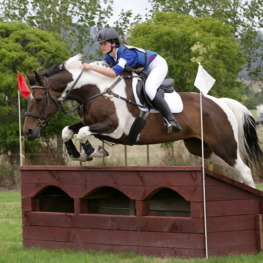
(167, 126)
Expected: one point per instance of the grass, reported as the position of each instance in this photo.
(11, 246)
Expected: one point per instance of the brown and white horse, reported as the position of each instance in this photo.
(229, 130)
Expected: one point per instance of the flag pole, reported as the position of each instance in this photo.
(20, 143)
(204, 83)
(203, 170)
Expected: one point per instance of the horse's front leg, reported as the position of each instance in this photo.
(97, 128)
(67, 134)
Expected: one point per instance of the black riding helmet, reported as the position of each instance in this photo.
(108, 34)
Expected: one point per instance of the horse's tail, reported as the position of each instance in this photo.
(249, 147)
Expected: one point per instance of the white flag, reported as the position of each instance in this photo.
(203, 81)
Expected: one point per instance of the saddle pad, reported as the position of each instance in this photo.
(173, 99)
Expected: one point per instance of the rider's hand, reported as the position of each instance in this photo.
(86, 66)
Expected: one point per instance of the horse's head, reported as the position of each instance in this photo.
(42, 103)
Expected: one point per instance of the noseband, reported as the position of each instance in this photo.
(42, 121)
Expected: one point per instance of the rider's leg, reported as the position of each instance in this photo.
(160, 104)
(157, 72)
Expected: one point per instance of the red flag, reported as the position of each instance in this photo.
(22, 86)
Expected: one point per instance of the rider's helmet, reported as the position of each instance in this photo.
(108, 34)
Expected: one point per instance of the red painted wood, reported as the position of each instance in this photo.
(231, 223)
(232, 238)
(259, 232)
(115, 237)
(115, 222)
(142, 208)
(234, 212)
(227, 208)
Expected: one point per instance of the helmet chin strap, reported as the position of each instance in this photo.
(112, 47)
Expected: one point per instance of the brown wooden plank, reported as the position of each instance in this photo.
(127, 223)
(27, 168)
(231, 223)
(259, 232)
(115, 237)
(133, 178)
(142, 208)
(233, 182)
(232, 238)
(227, 208)
(27, 204)
(225, 191)
(80, 206)
(147, 251)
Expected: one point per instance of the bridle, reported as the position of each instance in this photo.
(42, 121)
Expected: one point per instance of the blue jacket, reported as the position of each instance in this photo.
(137, 59)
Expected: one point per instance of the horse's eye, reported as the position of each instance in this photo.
(39, 99)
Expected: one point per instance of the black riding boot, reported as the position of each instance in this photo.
(160, 104)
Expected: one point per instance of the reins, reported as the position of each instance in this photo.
(44, 121)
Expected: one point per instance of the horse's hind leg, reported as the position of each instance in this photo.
(243, 172)
(225, 156)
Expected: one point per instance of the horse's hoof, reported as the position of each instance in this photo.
(99, 152)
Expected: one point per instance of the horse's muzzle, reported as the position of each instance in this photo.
(31, 135)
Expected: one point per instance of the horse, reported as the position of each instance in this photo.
(229, 130)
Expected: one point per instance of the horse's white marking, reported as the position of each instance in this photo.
(242, 171)
(31, 97)
(83, 134)
(125, 118)
(235, 113)
(66, 134)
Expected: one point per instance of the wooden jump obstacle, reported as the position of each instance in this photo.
(146, 210)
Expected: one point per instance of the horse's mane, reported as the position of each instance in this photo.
(73, 63)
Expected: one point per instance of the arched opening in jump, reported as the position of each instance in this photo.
(54, 199)
(167, 202)
(108, 200)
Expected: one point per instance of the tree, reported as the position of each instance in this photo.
(184, 40)
(71, 19)
(75, 21)
(24, 49)
(245, 17)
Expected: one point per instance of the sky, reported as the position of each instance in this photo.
(137, 7)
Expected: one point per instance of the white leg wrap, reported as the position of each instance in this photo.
(83, 134)
(66, 134)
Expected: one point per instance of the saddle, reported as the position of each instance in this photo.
(166, 87)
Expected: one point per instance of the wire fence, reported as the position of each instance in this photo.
(53, 152)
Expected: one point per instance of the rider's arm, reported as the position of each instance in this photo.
(104, 71)
(126, 58)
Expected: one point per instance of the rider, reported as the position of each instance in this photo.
(135, 59)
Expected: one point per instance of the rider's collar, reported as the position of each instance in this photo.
(115, 58)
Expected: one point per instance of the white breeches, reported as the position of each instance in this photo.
(156, 72)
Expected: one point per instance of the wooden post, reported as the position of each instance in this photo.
(142, 208)
(23, 150)
(80, 206)
(259, 232)
(80, 163)
(125, 153)
(103, 158)
(148, 157)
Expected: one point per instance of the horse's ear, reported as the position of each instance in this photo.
(39, 78)
(31, 79)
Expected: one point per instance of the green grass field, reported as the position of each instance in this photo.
(11, 247)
